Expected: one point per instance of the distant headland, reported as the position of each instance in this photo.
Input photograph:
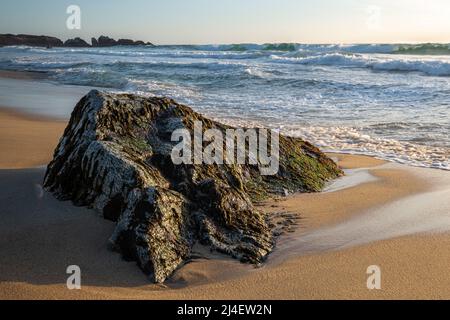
(49, 42)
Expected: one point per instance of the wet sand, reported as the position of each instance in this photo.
(393, 216)
(33, 93)
(27, 141)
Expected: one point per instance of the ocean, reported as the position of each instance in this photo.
(388, 101)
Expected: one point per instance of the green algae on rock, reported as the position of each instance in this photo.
(115, 157)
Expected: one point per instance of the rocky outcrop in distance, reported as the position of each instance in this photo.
(104, 41)
(115, 157)
(48, 42)
(77, 43)
(29, 40)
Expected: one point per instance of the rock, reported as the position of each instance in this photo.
(129, 42)
(115, 157)
(125, 42)
(45, 41)
(94, 42)
(104, 41)
(77, 42)
(29, 40)
(109, 42)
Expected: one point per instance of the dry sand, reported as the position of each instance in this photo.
(382, 214)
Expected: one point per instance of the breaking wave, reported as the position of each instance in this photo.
(426, 66)
(415, 49)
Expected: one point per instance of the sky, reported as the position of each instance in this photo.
(236, 21)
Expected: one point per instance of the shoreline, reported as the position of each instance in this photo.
(324, 258)
(27, 115)
(29, 92)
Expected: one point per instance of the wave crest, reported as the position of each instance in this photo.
(428, 67)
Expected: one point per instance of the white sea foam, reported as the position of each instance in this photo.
(353, 141)
(159, 88)
(257, 72)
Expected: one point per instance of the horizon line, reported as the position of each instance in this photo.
(244, 42)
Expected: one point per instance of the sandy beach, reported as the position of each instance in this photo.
(384, 214)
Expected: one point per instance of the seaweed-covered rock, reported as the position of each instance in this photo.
(115, 156)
